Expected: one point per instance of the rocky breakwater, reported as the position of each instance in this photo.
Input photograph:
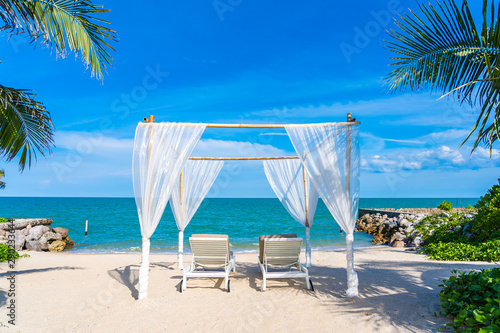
(35, 235)
(396, 229)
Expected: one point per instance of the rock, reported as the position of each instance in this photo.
(397, 236)
(4, 241)
(444, 214)
(409, 229)
(44, 243)
(19, 224)
(417, 242)
(34, 246)
(398, 244)
(2, 232)
(52, 236)
(57, 246)
(69, 244)
(391, 224)
(61, 231)
(29, 226)
(26, 232)
(404, 223)
(379, 239)
(19, 240)
(468, 216)
(38, 231)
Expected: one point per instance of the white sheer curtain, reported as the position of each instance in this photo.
(160, 152)
(331, 156)
(286, 177)
(197, 179)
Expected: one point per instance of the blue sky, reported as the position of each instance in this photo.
(243, 61)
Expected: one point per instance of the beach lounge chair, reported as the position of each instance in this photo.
(280, 259)
(212, 258)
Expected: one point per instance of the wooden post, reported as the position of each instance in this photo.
(308, 230)
(348, 160)
(146, 246)
(86, 226)
(306, 195)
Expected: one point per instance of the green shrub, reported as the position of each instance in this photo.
(473, 299)
(486, 223)
(3, 220)
(464, 251)
(445, 229)
(451, 239)
(13, 255)
(4, 253)
(445, 205)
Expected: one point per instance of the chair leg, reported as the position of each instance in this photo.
(184, 282)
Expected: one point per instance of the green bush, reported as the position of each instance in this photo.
(4, 253)
(486, 223)
(464, 251)
(3, 220)
(445, 229)
(473, 299)
(445, 205)
(450, 238)
(13, 255)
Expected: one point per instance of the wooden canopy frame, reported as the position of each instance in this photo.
(350, 121)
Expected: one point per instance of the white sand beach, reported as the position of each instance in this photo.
(65, 292)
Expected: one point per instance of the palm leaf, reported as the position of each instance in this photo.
(442, 49)
(25, 126)
(2, 184)
(66, 25)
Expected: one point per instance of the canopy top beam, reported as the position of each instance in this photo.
(350, 121)
(244, 158)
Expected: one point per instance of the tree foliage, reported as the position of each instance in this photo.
(66, 26)
(443, 48)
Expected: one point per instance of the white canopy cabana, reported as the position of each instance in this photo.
(329, 152)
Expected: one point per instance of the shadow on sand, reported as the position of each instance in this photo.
(129, 275)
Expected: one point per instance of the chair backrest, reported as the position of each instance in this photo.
(261, 242)
(210, 250)
(282, 251)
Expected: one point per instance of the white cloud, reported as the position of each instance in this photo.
(91, 143)
(484, 153)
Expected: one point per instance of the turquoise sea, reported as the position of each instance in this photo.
(114, 225)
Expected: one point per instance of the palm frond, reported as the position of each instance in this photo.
(66, 25)
(442, 49)
(2, 184)
(25, 126)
